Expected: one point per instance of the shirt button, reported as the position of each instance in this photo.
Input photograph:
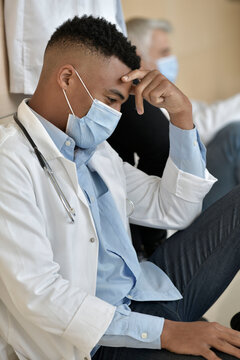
(144, 335)
(68, 143)
(129, 297)
(195, 143)
(92, 199)
(92, 240)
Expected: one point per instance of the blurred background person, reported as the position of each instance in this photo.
(147, 135)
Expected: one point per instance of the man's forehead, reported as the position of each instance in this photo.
(105, 73)
(110, 74)
(112, 69)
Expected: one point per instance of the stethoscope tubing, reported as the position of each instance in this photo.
(47, 169)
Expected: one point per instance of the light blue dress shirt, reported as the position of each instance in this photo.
(120, 276)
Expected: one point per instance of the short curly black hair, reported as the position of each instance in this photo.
(97, 35)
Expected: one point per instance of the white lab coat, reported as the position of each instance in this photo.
(48, 266)
(29, 25)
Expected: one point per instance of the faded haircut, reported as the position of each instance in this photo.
(96, 35)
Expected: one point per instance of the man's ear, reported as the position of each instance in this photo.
(65, 75)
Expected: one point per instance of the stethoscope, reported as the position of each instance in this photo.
(46, 167)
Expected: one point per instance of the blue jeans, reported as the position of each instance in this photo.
(223, 161)
(201, 261)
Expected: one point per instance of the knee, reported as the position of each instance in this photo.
(228, 138)
(231, 130)
(226, 144)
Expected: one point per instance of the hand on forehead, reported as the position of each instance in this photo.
(134, 78)
(157, 90)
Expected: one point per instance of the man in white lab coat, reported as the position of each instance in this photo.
(71, 284)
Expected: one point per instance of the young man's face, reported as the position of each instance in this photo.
(102, 77)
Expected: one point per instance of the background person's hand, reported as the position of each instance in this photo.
(160, 92)
(197, 338)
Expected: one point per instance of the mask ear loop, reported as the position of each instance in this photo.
(64, 92)
(83, 84)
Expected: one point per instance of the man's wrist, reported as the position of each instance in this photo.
(165, 336)
(183, 118)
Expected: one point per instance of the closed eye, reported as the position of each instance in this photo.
(111, 100)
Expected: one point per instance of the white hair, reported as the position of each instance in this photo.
(140, 32)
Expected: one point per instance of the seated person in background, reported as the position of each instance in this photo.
(147, 135)
(71, 284)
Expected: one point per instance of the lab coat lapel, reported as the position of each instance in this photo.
(37, 132)
(71, 170)
(47, 146)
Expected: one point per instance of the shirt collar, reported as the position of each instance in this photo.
(58, 136)
(64, 143)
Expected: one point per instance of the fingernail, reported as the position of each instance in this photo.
(125, 77)
(139, 111)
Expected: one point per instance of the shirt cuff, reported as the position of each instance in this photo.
(132, 329)
(187, 151)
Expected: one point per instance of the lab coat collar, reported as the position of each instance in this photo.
(37, 132)
(45, 144)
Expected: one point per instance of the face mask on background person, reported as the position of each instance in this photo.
(96, 126)
(168, 66)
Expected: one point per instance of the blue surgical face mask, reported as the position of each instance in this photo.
(96, 126)
(168, 66)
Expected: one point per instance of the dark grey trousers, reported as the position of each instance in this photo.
(201, 261)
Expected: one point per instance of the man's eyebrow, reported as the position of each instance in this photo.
(118, 93)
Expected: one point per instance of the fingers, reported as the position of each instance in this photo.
(230, 341)
(199, 338)
(155, 89)
(150, 80)
(232, 336)
(225, 339)
(135, 74)
(210, 355)
(227, 348)
(229, 335)
(159, 92)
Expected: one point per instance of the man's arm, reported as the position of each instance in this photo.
(185, 338)
(176, 200)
